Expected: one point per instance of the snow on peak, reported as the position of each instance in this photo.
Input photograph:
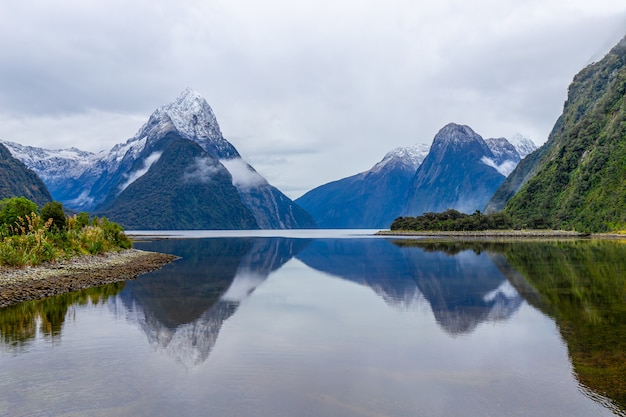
(455, 135)
(410, 156)
(50, 163)
(523, 144)
(503, 150)
(191, 116)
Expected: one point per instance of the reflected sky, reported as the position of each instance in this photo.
(303, 326)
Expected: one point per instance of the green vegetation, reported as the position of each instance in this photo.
(453, 220)
(30, 237)
(580, 173)
(178, 193)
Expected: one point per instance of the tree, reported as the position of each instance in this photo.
(54, 210)
(13, 212)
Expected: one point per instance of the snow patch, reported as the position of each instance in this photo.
(147, 163)
(244, 176)
(505, 168)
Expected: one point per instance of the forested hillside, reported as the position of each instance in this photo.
(579, 179)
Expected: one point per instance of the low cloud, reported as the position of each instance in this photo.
(147, 163)
(201, 170)
(244, 176)
(504, 168)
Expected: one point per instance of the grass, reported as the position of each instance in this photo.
(33, 241)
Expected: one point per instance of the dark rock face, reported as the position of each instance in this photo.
(460, 172)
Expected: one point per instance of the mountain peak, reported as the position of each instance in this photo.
(455, 134)
(409, 156)
(191, 116)
(523, 145)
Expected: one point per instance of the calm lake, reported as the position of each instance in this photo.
(328, 323)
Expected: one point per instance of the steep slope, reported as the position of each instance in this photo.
(460, 172)
(16, 180)
(371, 199)
(184, 188)
(577, 179)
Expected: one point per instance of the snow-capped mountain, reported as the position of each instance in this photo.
(371, 199)
(461, 172)
(408, 157)
(102, 182)
(524, 146)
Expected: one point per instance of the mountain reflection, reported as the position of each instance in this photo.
(181, 308)
(463, 287)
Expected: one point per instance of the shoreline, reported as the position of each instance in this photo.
(30, 283)
(514, 234)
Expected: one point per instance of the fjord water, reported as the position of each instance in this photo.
(310, 324)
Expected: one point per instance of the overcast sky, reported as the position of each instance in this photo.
(308, 91)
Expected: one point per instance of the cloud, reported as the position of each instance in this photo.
(147, 163)
(244, 176)
(201, 170)
(505, 168)
(330, 86)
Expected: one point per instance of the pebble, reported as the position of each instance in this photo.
(29, 283)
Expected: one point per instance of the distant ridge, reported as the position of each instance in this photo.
(17, 180)
(371, 199)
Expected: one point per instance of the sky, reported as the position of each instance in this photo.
(309, 91)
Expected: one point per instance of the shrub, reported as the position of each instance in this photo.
(13, 212)
(30, 240)
(54, 211)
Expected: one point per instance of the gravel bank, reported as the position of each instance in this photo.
(30, 283)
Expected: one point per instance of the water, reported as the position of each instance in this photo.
(331, 323)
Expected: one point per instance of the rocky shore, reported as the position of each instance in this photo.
(30, 283)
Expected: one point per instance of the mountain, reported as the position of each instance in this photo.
(183, 189)
(371, 199)
(95, 182)
(577, 179)
(460, 172)
(16, 180)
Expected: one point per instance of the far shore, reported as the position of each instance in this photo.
(30, 283)
(503, 234)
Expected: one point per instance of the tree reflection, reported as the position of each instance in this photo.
(21, 323)
(581, 284)
(583, 287)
